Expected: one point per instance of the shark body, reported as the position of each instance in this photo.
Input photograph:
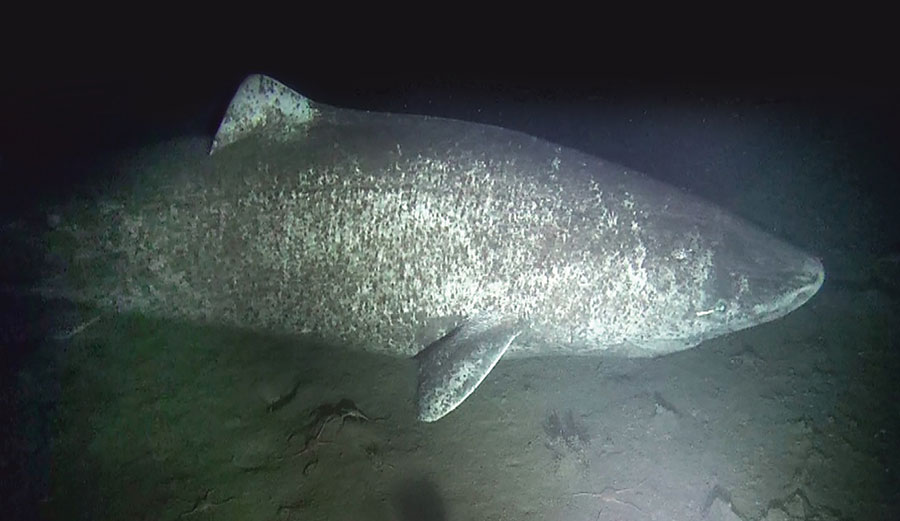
(453, 242)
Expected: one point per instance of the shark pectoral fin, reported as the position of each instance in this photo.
(451, 368)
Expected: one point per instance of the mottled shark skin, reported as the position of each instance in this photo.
(454, 242)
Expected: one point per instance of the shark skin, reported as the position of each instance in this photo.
(457, 243)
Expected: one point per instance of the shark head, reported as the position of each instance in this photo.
(756, 278)
(687, 272)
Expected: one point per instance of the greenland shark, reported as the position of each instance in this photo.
(456, 243)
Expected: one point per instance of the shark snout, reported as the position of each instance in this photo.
(811, 278)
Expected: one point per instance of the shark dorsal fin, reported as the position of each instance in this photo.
(263, 105)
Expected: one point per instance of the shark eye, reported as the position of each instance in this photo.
(720, 307)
